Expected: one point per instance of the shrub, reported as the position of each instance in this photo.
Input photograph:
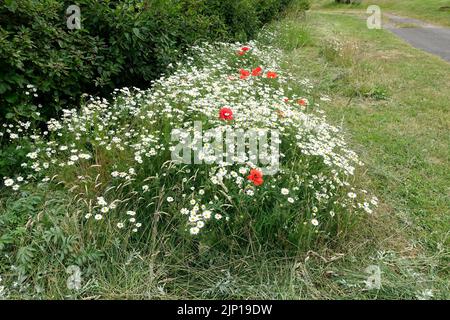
(121, 43)
(45, 66)
(37, 49)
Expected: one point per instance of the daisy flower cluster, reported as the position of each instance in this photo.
(115, 155)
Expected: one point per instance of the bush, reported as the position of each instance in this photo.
(121, 43)
(36, 50)
(45, 66)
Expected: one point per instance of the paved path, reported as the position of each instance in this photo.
(419, 34)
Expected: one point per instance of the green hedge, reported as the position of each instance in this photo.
(121, 43)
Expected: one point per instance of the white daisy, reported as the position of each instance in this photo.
(206, 214)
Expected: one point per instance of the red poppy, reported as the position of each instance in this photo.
(286, 100)
(244, 73)
(255, 176)
(226, 114)
(245, 48)
(303, 102)
(271, 75)
(257, 71)
(240, 53)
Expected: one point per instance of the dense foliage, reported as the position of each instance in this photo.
(120, 43)
(45, 66)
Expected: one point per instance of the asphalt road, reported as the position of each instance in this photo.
(430, 38)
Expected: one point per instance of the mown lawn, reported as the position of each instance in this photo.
(394, 101)
(429, 10)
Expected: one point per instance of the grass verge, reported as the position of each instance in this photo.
(394, 101)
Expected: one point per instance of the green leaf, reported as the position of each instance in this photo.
(137, 33)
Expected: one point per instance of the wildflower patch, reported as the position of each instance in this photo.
(121, 158)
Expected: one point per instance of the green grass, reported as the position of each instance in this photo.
(394, 101)
(428, 10)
